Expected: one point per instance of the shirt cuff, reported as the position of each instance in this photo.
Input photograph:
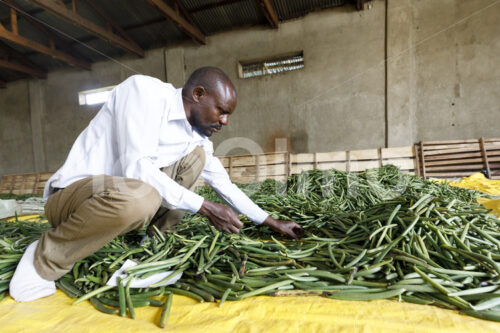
(259, 217)
(192, 201)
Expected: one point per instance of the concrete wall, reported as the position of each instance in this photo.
(399, 72)
(443, 70)
(322, 107)
(458, 70)
(40, 119)
(16, 146)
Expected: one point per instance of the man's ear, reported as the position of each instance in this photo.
(198, 92)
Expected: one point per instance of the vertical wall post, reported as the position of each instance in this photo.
(37, 108)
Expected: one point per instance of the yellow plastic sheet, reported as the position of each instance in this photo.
(26, 218)
(257, 314)
(480, 183)
(493, 204)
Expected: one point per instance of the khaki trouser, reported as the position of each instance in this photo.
(185, 172)
(91, 212)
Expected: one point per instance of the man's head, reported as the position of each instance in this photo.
(209, 99)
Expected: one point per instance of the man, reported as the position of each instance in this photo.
(138, 160)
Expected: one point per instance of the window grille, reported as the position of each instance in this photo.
(272, 66)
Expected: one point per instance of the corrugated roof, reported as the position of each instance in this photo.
(287, 10)
(229, 16)
(144, 24)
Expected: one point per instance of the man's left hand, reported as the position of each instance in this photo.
(287, 228)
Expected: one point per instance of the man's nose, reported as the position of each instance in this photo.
(224, 119)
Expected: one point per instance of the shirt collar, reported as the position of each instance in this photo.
(177, 112)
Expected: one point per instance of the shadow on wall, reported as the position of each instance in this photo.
(299, 142)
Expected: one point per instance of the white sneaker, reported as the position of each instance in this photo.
(26, 285)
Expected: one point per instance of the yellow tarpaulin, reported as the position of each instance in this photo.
(480, 183)
(257, 314)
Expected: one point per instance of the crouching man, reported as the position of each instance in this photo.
(138, 161)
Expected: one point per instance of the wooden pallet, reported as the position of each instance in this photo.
(280, 165)
(355, 160)
(254, 168)
(246, 169)
(439, 159)
(27, 183)
(458, 158)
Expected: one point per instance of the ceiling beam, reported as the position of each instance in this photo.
(181, 22)
(52, 39)
(22, 68)
(13, 21)
(133, 26)
(268, 11)
(32, 12)
(14, 9)
(108, 20)
(13, 53)
(144, 23)
(81, 22)
(179, 7)
(51, 51)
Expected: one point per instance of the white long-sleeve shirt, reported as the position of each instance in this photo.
(140, 129)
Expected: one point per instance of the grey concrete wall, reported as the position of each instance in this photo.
(399, 72)
(36, 89)
(323, 107)
(458, 69)
(29, 129)
(16, 146)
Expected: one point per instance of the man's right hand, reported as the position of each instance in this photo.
(221, 216)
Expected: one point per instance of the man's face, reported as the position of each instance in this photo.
(212, 109)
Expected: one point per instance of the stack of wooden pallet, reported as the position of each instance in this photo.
(458, 158)
(438, 159)
(280, 165)
(26, 183)
(254, 168)
(355, 160)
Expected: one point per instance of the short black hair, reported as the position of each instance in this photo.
(208, 77)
